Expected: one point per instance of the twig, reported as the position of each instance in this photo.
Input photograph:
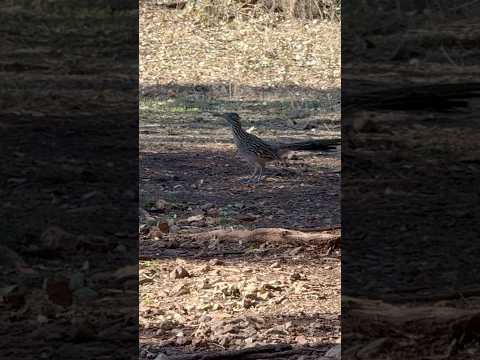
(320, 229)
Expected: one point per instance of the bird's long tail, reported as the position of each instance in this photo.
(311, 145)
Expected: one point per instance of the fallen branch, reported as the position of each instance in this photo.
(319, 229)
(402, 314)
(409, 295)
(273, 235)
(257, 352)
(450, 326)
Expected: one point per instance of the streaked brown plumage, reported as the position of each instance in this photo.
(258, 152)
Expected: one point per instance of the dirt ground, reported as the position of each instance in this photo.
(226, 293)
(409, 186)
(190, 184)
(64, 193)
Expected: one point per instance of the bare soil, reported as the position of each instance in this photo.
(228, 293)
(296, 284)
(409, 191)
(64, 193)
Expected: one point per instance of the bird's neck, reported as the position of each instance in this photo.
(238, 134)
(237, 128)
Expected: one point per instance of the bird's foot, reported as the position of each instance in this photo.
(250, 181)
(246, 181)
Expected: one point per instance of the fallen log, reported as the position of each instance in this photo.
(319, 229)
(327, 238)
(383, 323)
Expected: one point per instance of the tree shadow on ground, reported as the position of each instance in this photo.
(304, 194)
(253, 98)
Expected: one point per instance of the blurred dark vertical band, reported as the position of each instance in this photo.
(69, 179)
(410, 188)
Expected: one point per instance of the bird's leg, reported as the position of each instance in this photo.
(252, 178)
(257, 175)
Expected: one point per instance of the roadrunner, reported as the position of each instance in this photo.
(258, 152)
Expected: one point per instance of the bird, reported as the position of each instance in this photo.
(258, 152)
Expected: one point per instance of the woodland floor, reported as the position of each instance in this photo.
(228, 292)
(410, 189)
(60, 293)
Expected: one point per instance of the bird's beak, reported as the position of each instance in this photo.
(216, 114)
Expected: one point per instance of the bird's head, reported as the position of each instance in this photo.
(232, 118)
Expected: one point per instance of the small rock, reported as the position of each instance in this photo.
(9, 258)
(85, 294)
(126, 272)
(91, 194)
(225, 340)
(301, 340)
(42, 319)
(295, 251)
(55, 238)
(77, 281)
(205, 268)
(277, 301)
(59, 292)
(164, 227)
(363, 123)
(205, 307)
(204, 284)
(247, 217)
(239, 205)
(165, 325)
(83, 331)
(161, 356)
(276, 331)
(250, 340)
(231, 290)
(212, 220)
(197, 212)
(182, 340)
(121, 249)
(194, 218)
(297, 114)
(216, 261)
(295, 276)
(179, 273)
(207, 206)
(214, 212)
(161, 204)
(250, 291)
(309, 126)
(264, 295)
(334, 353)
(248, 303)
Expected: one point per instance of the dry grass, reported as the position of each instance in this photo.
(262, 51)
(240, 9)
